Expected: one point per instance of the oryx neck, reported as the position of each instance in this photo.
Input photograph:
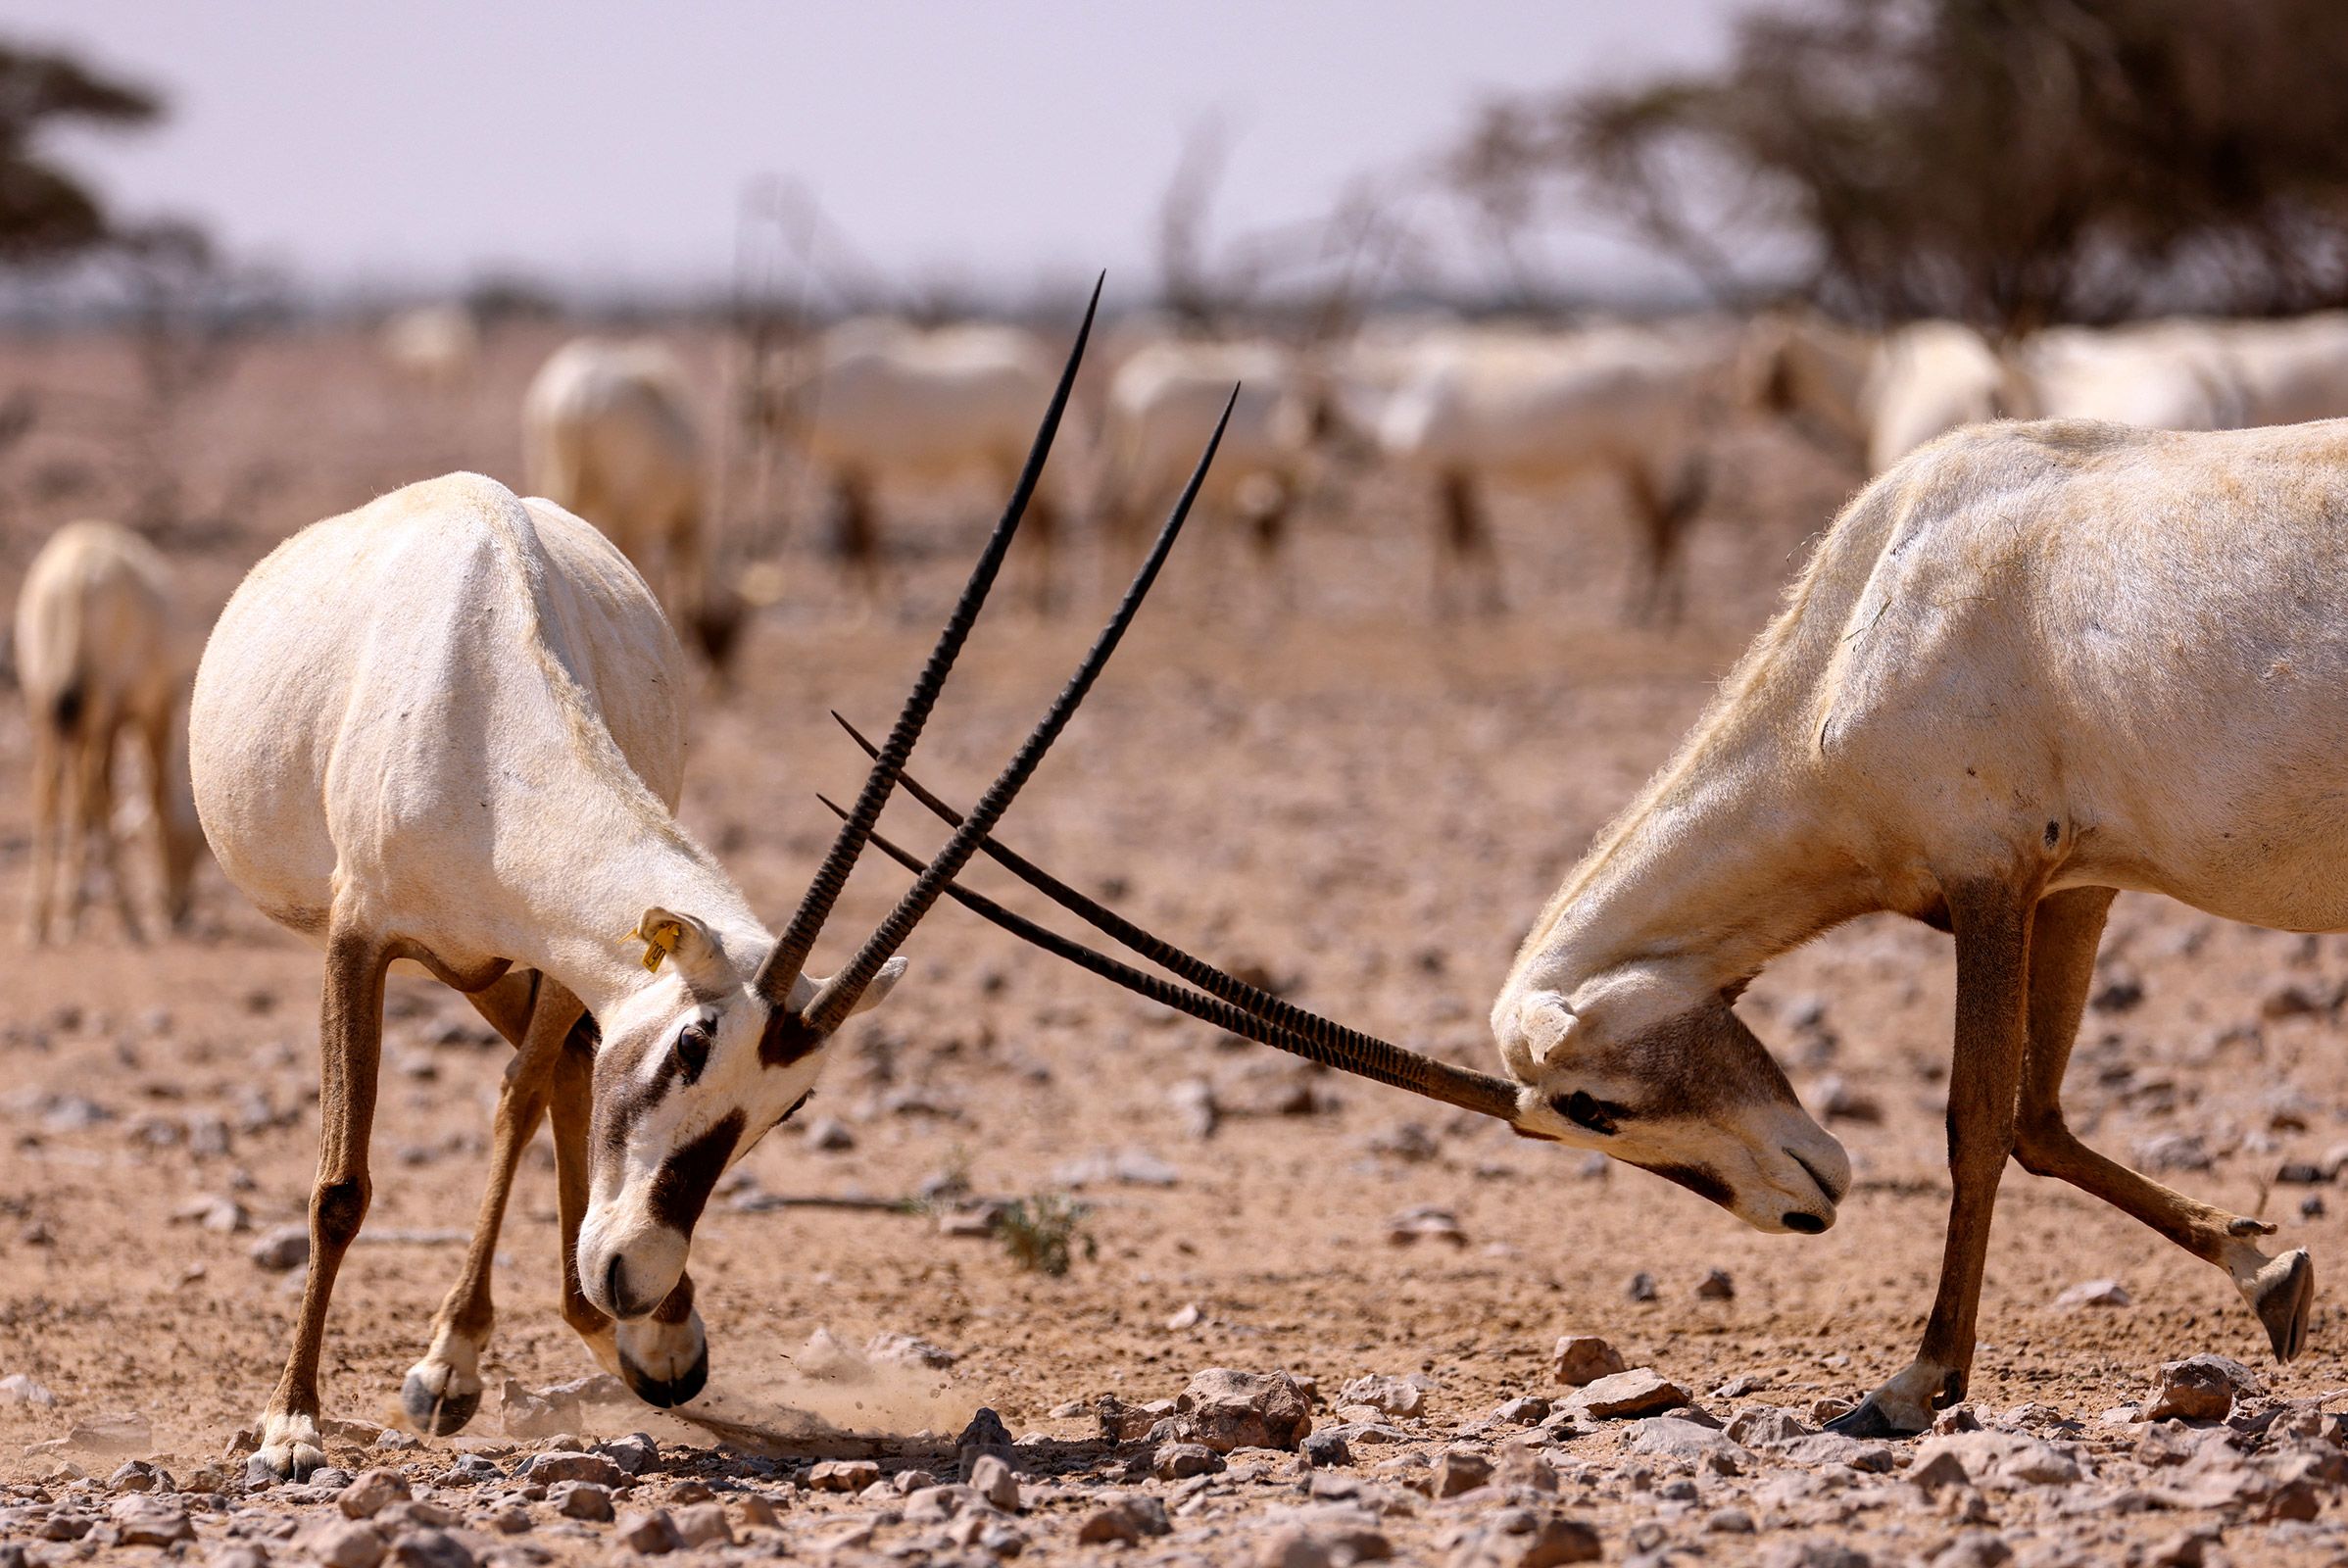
(602, 885)
(1731, 856)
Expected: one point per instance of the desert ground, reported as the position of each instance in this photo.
(1306, 775)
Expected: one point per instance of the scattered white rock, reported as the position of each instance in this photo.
(1425, 1222)
(2200, 1387)
(2094, 1292)
(1583, 1358)
(649, 1531)
(1227, 1409)
(371, 1492)
(283, 1249)
(1642, 1391)
(1394, 1396)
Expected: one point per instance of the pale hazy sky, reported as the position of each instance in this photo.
(595, 141)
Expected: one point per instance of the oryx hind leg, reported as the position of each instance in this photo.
(2280, 1289)
(441, 1391)
(51, 812)
(663, 1358)
(350, 1051)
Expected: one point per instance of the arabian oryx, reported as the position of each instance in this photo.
(1538, 409)
(1162, 400)
(101, 650)
(884, 403)
(2031, 666)
(446, 728)
(609, 434)
(437, 347)
(1887, 396)
(1871, 399)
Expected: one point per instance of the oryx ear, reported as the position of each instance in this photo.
(882, 984)
(671, 936)
(1547, 1019)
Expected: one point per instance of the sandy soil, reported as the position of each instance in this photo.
(1312, 776)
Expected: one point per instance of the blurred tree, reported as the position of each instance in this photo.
(2010, 163)
(47, 214)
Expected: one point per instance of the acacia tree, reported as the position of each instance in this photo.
(47, 214)
(2009, 163)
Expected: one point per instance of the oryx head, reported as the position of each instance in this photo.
(696, 1066)
(1638, 1068)
(1646, 1065)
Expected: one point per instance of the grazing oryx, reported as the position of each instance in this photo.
(436, 346)
(446, 728)
(2030, 666)
(100, 650)
(1543, 409)
(2163, 375)
(609, 433)
(888, 403)
(1878, 399)
(1164, 399)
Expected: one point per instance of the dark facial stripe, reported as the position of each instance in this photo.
(632, 1103)
(785, 1040)
(1697, 1179)
(681, 1186)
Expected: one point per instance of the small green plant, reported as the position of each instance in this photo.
(1044, 1232)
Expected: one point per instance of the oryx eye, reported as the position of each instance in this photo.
(1586, 1110)
(692, 1049)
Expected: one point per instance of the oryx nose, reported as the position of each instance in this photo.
(616, 1288)
(1806, 1224)
(1831, 1190)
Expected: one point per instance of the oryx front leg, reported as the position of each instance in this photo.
(1992, 929)
(2282, 1289)
(442, 1391)
(350, 1048)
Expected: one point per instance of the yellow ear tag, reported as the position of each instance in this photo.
(659, 943)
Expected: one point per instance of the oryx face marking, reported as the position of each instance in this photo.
(680, 1094)
(1677, 1086)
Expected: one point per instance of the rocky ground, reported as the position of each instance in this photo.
(1301, 1319)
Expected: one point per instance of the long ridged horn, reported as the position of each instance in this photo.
(838, 996)
(789, 958)
(1323, 1040)
(1389, 1065)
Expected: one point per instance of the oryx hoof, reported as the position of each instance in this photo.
(439, 1413)
(2248, 1227)
(2284, 1294)
(670, 1392)
(289, 1452)
(1872, 1420)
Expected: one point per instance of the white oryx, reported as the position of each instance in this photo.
(102, 650)
(885, 403)
(2161, 376)
(608, 432)
(1517, 409)
(1879, 397)
(436, 346)
(1167, 395)
(2033, 664)
(447, 728)
(1885, 396)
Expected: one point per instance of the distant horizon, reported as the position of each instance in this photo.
(602, 150)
